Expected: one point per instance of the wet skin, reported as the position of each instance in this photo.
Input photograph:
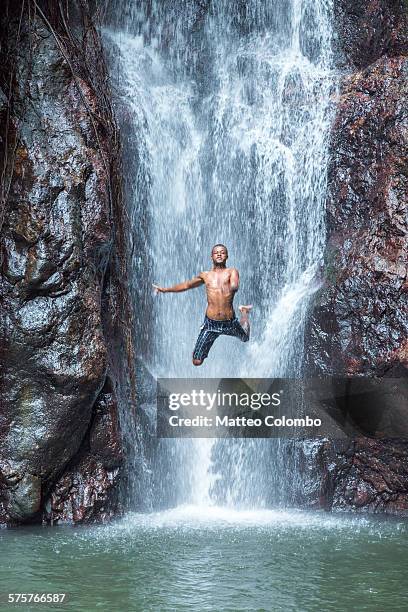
(221, 284)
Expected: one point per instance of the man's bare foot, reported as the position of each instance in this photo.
(245, 309)
(244, 321)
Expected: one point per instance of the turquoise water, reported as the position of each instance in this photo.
(213, 559)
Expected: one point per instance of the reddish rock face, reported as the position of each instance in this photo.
(359, 321)
(364, 476)
(57, 236)
(87, 490)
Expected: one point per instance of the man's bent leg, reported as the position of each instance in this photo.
(205, 340)
(244, 320)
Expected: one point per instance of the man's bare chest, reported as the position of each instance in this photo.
(218, 282)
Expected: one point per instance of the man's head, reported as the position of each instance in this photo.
(219, 254)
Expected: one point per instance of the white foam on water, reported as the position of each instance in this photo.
(198, 517)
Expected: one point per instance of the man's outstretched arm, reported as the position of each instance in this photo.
(190, 284)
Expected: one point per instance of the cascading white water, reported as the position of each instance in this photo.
(226, 114)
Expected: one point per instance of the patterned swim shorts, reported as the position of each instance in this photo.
(211, 329)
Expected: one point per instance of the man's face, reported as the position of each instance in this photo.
(219, 255)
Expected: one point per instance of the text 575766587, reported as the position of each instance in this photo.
(33, 598)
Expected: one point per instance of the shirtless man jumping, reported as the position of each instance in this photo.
(221, 284)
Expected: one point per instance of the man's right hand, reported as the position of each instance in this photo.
(158, 289)
(190, 284)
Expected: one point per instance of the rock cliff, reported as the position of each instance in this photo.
(62, 257)
(359, 320)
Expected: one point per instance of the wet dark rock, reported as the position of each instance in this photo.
(87, 490)
(369, 29)
(363, 307)
(359, 320)
(359, 323)
(362, 475)
(24, 498)
(59, 296)
(84, 495)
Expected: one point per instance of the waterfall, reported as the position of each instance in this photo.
(225, 110)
